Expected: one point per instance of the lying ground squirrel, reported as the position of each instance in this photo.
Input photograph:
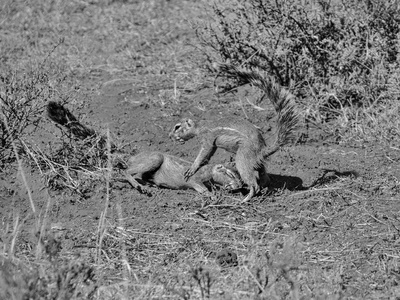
(157, 168)
(240, 136)
(167, 171)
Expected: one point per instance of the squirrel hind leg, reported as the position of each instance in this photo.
(134, 183)
(249, 170)
(252, 183)
(252, 192)
(144, 163)
(200, 188)
(265, 180)
(142, 166)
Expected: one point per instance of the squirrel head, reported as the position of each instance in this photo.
(184, 130)
(226, 177)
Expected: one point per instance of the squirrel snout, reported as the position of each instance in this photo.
(176, 138)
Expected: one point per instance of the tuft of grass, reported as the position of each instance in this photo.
(48, 277)
(45, 280)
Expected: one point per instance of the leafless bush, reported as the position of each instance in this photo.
(22, 99)
(24, 92)
(336, 53)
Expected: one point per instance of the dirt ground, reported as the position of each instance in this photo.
(333, 198)
(332, 211)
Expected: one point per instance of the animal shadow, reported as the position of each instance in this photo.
(330, 175)
(294, 183)
(291, 183)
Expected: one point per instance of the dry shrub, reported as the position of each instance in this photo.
(24, 92)
(333, 55)
(22, 98)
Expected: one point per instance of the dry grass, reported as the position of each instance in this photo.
(323, 243)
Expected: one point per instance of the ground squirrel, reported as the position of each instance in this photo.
(158, 168)
(240, 136)
(165, 170)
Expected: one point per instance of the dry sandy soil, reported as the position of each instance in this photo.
(328, 227)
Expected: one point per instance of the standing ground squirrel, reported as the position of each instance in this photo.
(240, 136)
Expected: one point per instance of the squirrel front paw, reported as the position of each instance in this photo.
(144, 190)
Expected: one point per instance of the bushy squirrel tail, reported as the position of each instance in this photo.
(61, 115)
(282, 100)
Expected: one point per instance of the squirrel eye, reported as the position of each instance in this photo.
(177, 126)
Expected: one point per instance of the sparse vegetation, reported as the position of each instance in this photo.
(341, 58)
(23, 96)
(327, 229)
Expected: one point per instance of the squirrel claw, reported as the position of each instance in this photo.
(188, 174)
